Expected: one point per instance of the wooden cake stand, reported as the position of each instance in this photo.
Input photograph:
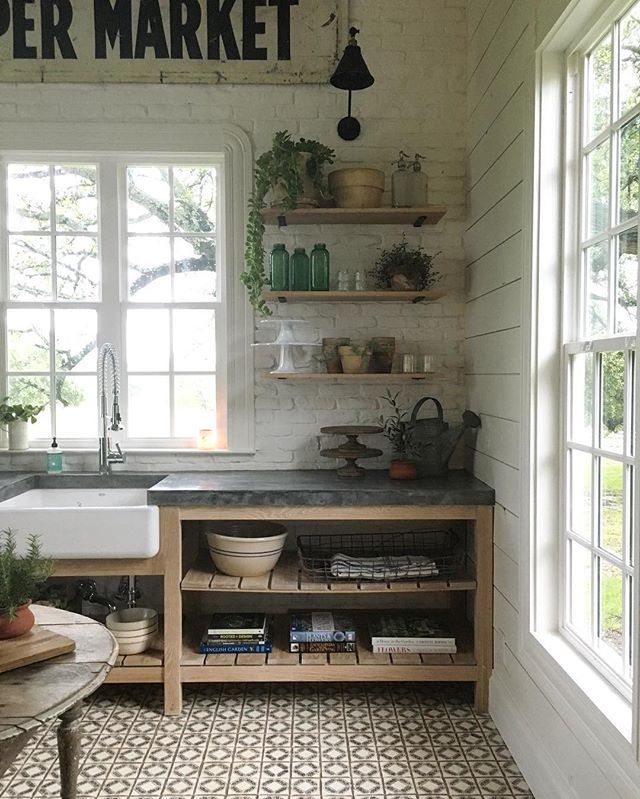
(351, 450)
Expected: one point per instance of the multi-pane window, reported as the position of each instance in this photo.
(601, 379)
(120, 251)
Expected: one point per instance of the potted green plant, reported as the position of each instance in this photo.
(404, 268)
(354, 358)
(294, 172)
(16, 417)
(400, 432)
(19, 577)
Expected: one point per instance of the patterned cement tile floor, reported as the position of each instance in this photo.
(404, 741)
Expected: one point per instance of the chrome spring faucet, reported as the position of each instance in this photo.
(106, 455)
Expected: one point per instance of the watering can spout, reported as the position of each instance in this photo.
(451, 437)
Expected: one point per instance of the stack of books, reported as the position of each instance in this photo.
(236, 632)
(409, 632)
(321, 631)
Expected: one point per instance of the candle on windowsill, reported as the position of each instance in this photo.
(207, 439)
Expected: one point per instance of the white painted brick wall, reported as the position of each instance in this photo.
(416, 51)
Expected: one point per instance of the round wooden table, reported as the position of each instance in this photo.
(31, 696)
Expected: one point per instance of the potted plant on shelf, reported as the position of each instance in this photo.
(293, 171)
(19, 577)
(354, 358)
(16, 418)
(400, 432)
(404, 268)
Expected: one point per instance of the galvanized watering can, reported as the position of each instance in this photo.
(434, 440)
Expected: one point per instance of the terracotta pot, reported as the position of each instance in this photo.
(21, 624)
(403, 469)
(331, 354)
(400, 282)
(383, 349)
(353, 364)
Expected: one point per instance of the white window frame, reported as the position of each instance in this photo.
(605, 722)
(224, 145)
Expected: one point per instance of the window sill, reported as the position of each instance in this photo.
(572, 673)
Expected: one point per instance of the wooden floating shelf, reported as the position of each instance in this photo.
(387, 377)
(287, 578)
(417, 217)
(354, 296)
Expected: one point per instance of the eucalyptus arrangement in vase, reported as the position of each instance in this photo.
(14, 417)
(294, 172)
(397, 428)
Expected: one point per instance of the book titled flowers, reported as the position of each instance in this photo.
(409, 632)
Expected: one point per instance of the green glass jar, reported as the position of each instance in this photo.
(300, 273)
(279, 268)
(320, 268)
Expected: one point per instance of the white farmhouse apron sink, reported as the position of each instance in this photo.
(78, 523)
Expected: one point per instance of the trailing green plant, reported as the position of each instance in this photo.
(20, 574)
(411, 262)
(279, 165)
(18, 413)
(397, 428)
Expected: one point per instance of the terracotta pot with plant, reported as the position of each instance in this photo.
(19, 577)
(16, 417)
(404, 268)
(293, 171)
(354, 358)
(398, 429)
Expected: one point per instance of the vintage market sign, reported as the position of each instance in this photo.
(171, 41)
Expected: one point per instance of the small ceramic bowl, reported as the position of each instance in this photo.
(134, 648)
(131, 619)
(128, 635)
(246, 549)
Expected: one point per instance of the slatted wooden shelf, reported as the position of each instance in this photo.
(287, 578)
(284, 666)
(417, 217)
(145, 667)
(354, 296)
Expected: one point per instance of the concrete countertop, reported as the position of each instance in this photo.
(316, 487)
(280, 488)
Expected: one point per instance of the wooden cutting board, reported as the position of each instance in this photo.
(36, 645)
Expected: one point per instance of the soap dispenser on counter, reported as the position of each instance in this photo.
(54, 458)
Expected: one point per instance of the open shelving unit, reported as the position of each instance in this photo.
(416, 217)
(174, 659)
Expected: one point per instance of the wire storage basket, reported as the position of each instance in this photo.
(381, 557)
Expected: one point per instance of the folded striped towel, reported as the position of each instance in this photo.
(382, 568)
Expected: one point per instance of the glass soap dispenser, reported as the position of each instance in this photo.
(417, 181)
(54, 458)
(400, 197)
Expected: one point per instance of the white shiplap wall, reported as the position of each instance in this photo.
(502, 38)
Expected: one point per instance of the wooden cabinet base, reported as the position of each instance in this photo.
(181, 663)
